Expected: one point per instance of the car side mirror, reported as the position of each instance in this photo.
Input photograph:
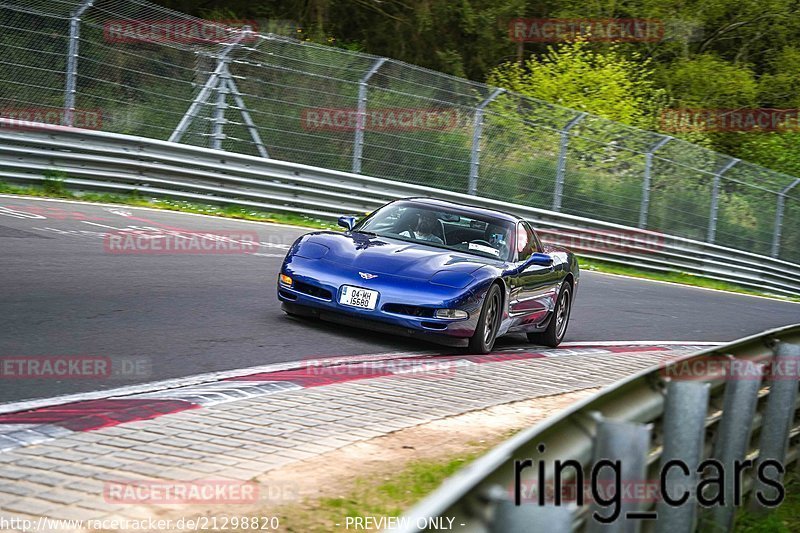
(538, 259)
(347, 222)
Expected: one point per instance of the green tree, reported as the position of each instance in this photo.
(610, 84)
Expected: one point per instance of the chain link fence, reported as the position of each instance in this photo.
(135, 68)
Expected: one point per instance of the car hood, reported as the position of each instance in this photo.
(382, 255)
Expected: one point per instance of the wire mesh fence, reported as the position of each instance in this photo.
(131, 67)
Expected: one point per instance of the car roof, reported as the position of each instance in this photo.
(463, 207)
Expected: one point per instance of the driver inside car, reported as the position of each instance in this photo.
(497, 237)
(426, 224)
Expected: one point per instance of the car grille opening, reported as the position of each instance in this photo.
(409, 310)
(434, 325)
(311, 290)
(286, 294)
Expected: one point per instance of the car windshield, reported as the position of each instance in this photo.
(442, 227)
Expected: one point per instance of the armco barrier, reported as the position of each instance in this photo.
(733, 403)
(101, 161)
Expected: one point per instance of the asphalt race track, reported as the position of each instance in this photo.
(159, 316)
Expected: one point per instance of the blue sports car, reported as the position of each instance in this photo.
(455, 274)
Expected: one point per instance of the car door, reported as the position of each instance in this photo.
(534, 289)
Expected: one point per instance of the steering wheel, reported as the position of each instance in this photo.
(480, 241)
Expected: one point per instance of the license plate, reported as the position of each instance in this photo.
(363, 298)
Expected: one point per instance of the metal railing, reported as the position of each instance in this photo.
(272, 96)
(100, 161)
(733, 403)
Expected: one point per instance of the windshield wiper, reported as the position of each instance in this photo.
(370, 233)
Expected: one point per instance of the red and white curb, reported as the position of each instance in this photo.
(34, 422)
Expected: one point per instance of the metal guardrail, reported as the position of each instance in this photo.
(723, 409)
(114, 163)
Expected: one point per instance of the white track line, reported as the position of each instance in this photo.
(155, 210)
(639, 343)
(199, 379)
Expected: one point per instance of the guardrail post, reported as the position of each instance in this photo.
(778, 415)
(562, 161)
(472, 187)
(531, 517)
(72, 61)
(648, 164)
(628, 443)
(358, 142)
(733, 436)
(208, 87)
(712, 217)
(685, 410)
(218, 125)
(776, 234)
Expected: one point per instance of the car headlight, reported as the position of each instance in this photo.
(451, 314)
(285, 280)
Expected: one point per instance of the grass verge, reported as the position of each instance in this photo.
(682, 278)
(53, 187)
(784, 519)
(367, 497)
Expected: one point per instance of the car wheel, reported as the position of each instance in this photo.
(557, 327)
(485, 334)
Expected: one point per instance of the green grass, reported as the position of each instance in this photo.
(784, 519)
(388, 496)
(675, 277)
(53, 187)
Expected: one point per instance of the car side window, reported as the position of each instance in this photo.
(527, 243)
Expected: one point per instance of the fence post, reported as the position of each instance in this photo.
(776, 234)
(472, 187)
(358, 142)
(208, 87)
(218, 124)
(562, 161)
(72, 61)
(648, 164)
(712, 217)
(248, 120)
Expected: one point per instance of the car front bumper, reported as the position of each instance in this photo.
(326, 286)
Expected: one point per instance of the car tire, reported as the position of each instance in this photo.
(488, 324)
(557, 328)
